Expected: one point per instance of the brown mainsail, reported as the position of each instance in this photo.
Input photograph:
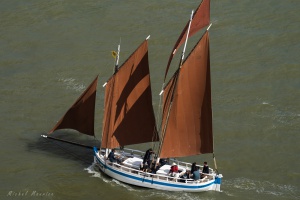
(129, 116)
(81, 115)
(188, 122)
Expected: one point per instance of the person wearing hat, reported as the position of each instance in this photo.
(174, 170)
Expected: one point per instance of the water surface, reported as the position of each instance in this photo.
(52, 50)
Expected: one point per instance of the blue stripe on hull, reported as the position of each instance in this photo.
(217, 180)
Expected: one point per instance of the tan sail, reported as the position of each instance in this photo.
(189, 125)
(129, 117)
(81, 115)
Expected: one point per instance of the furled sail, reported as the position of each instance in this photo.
(81, 115)
(201, 18)
(129, 116)
(188, 122)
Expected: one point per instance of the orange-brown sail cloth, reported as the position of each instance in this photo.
(189, 127)
(201, 18)
(81, 115)
(129, 117)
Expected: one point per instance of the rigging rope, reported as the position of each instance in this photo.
(67, 151)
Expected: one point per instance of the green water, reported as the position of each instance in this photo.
(52, 50)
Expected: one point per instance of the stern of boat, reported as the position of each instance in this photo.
(217, 183)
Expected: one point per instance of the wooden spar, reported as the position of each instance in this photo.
(117, 58)
(209, 26)
(115, 71)
(117, 61)
(69, 142)
(173, 90)
(183, 51)
(186, 39)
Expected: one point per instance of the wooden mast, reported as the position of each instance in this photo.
(176, 78)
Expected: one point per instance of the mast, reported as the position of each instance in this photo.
(186, 39)
(172, 96)
(117, 58)
(128, 112)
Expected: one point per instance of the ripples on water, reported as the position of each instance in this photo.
(51, 51)
(72, 84)
(266, 188)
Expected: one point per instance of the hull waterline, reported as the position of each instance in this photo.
(137, 177)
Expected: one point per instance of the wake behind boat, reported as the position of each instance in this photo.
(185, 128)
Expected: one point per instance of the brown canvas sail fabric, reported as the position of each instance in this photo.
(189, 127)
(129, 117)
(81, 115)
(201, 18)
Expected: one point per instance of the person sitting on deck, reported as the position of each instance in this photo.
(163, 161)
(193, 167)
(185, 176)
(196, 174)
(174, 170)
(205, 170)
(112, 158)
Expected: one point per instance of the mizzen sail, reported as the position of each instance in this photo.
(129, 116)
(189, 120)
(81, 115)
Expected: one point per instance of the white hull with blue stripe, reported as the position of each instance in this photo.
(131, 175)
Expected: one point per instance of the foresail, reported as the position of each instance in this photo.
(81, 115)
(129, 116)
(189, 122)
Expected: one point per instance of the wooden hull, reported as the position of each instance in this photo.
(136, 177)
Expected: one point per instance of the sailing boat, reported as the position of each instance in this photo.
(186, 125)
